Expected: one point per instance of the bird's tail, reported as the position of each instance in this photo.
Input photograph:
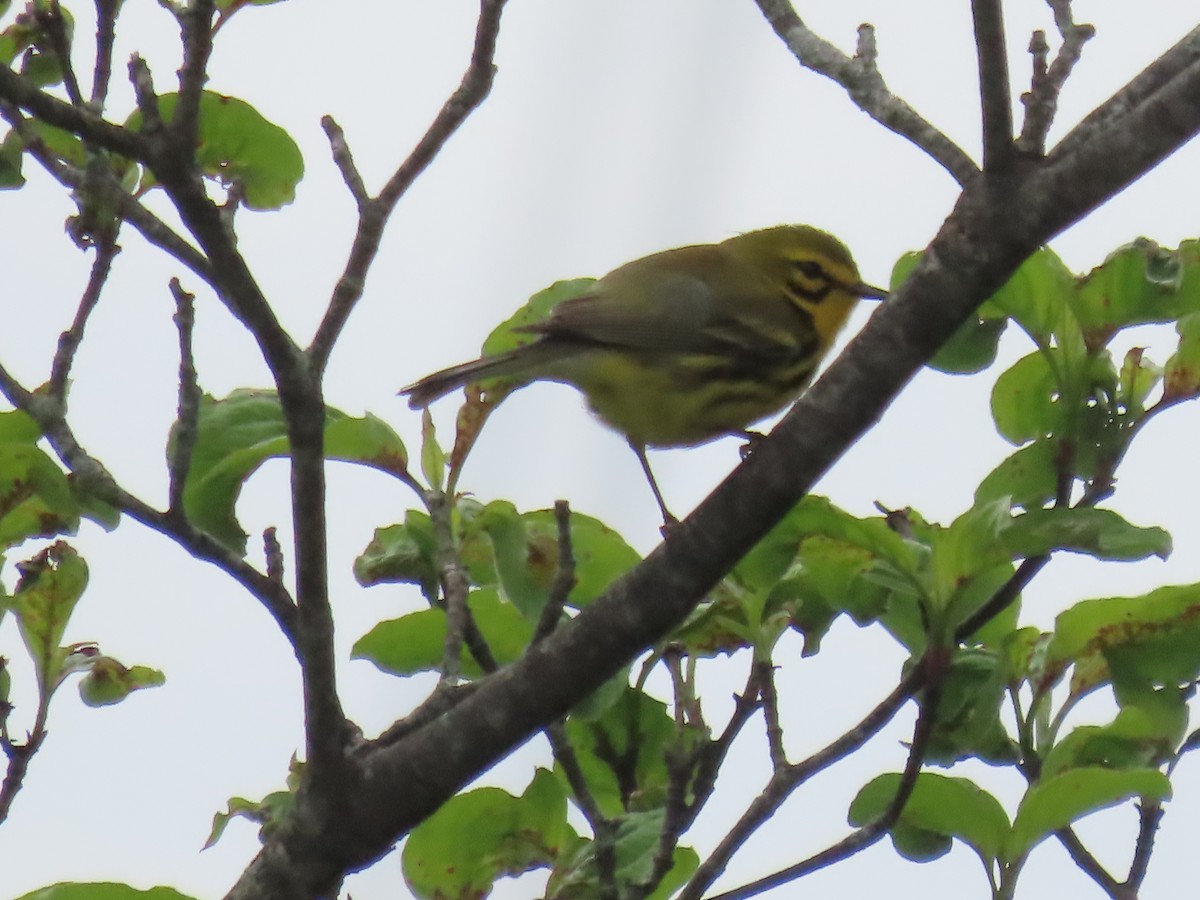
(522, 364)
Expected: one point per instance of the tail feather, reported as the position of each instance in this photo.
(523, 363)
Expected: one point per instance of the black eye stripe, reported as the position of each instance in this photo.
(810, 268)
(809, 280)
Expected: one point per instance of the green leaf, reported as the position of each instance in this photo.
(525, 554)
(369, 441)
(266, 813)
(236, 435)
(433, 457)
(50, 586)
(968, 720)
(415, 642)
(1137, 284)
(1101, 533)
(1136, 738)
(635, 844)
(405, 554)
(1037, 294)
(104, 890)
(1181, 376)
(601, 554)
(946, 807)
(971, 544)
(508, 836)
(237, 145)
(109, 682)
(972, 347)
(1029, 477)
(35, 496)
(1056, 802)
(623, 752)
(1025, 403)
(1156, 636)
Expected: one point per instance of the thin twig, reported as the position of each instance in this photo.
(770, 705)
(1091, 866)
(19, 757)
(581, 791)
(786, 781)
(106, 23)
(712, 755)
(564, 576)
(196, 24)
(69, 340)
(1150, 813)
(455, 587)
(934, 664)
(995, 92)
(22, 93)
(147, 99)
(1048, 79)
(472, 91)
(50, 18)
(865, 86)
(94, 478)
(273, 553)
(185, 431)
(344, 160)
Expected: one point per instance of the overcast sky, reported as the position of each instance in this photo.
(615, 129)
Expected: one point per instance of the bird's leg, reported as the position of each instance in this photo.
(668, 519)
(752, 439)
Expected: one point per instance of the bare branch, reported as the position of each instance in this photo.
(934, 664)
(106, 22)
(185, 431)
(147, 98)
(344, 160)
(99, 178)
(995, 92)
(473, 90)
(454, 588)
(21, 92)
(865, 86)
(196, 23)
(1048, 79)
(50, 18)
(273, 553)
(1091, 866)
(95, 479)
(1150, 813)
(564, 576)
(770, 705)
(784, 782)
(69, 340)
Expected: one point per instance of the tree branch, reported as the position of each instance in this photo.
(1041, 101)
(934, 665)
(185, 431)
(69, 340)
(995, 92)
(22, 93)
(865, 86)
(476, 84)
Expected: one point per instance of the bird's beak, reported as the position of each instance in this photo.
(869, 292)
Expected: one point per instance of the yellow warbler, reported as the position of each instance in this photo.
(687, 345)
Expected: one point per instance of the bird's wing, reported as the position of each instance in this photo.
(667, 305)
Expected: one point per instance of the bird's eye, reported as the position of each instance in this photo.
(810, 269)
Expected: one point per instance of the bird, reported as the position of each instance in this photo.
(687, 345)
